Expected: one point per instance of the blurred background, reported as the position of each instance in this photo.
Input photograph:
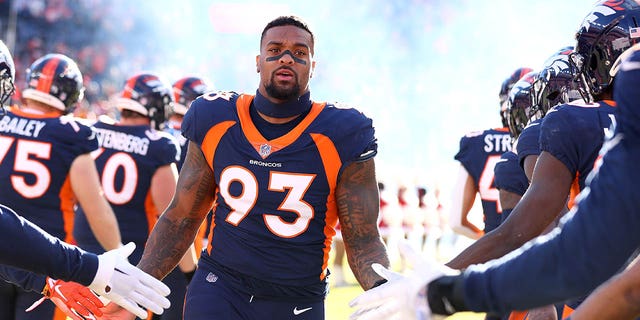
(426, 71)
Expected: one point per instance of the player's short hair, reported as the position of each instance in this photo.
(287, 21)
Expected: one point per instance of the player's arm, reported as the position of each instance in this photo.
(163, 187)
(618, 298)
(358, 205)
(176, 228)
(508, 199)
(540, 206)
(529, 164)
(464, 195)
(87, 189)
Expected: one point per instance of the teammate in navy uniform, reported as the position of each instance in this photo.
(137, 165)
(510, 181)
(596, 238)
(46, 168)
(61, 260)
(279, 170)
(570, 137)
(478, 154)
(185, 90)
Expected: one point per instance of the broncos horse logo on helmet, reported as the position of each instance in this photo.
(506, 86)
(606, 32)
(7, 74)
(186, 90)
(555, 84)
(55, 80)
(148, 95)
(520, 103)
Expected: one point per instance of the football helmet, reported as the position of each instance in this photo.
(555, 84)
(55, 80)
(506, 86)
(186, 90)
(520, 103)
(7, 76)
(149, 95)
(607, 31)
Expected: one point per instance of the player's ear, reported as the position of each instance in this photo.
(258, 63)
(313, 69)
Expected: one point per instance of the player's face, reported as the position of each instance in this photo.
(285, 63)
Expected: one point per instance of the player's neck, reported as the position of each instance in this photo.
(35, 107)
(282, 112)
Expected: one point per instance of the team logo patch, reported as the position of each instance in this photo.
(212, 277)
(265, 150)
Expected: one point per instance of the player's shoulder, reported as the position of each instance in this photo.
(344, 111)
(158, 135)
(75, 128)
(215, 100)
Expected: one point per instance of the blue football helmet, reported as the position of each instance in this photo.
(506, 86)
(520, 103)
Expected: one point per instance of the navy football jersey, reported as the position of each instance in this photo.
(574, 133)
(479, 152)
(509, 175)
(604, 224)
(275, 208)
(126, 160)
(528, 143)
(36, 153)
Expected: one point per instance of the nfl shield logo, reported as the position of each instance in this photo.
(265, 150)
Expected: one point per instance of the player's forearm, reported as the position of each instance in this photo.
(361, 254)
(358, 206)
(167, 244)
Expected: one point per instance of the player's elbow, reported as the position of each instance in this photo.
(461, 229)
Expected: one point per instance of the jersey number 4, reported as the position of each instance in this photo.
(485, 185)
(295, 184)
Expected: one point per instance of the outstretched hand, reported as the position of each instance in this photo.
(128, 286)
(403, 295)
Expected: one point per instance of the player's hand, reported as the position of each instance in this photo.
(113, 311)
(403, 296)
(74, 299)
(128, 286)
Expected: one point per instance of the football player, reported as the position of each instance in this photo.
(185, 90)
(137, 165)
(478, 154)
(63, 261)
(46, 168)
(279, 170)
(597, 237)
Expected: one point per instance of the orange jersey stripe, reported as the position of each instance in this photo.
(331, 162)
(255, 137)
(574, 191)
(67, 202)
(209, 146)
(48, 72)
(151, 212)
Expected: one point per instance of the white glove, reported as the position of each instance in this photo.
(128, 286)
(402, 296)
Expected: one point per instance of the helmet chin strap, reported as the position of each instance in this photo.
(282, 110)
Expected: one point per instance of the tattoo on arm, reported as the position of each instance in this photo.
(176, 228)
(358, 205)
